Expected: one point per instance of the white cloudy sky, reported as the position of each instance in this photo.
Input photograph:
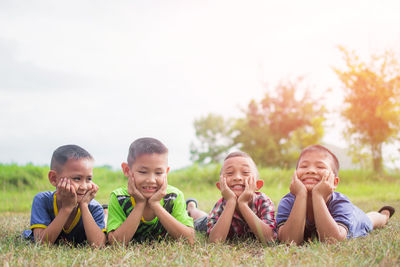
(103, 73)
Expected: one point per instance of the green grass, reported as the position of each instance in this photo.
(380, 248)
(366, 190)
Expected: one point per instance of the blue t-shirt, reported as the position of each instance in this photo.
(342, 210)
(44, 210)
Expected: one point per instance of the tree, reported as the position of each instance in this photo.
(215, 138)
(276, 129)
(372, 102)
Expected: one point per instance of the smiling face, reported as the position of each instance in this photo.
(312, 166)
(80, 173)
(236, 170)
(148, 171)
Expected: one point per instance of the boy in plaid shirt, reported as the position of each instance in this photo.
(241, 212)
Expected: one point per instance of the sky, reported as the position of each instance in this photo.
(102, 73)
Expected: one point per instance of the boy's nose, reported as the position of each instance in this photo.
(83, 185)
(237, 177)
(152, 177)
(311, 170)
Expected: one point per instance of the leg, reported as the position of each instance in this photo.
(379, 219)
(105, 208)
(193, 211)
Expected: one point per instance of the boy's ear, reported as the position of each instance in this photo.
(218, 185)
(125, 168)
(259, 184)
(167, 169)
(335, 182)
(52, 177)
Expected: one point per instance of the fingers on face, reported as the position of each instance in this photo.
(295, 176)
(251, 180)
(221, 179)
(93, 188)
(72, 188)
(247, 182)
(63, 183)
(327, 176)
(223, 183)
(67, 184)
(131, 183)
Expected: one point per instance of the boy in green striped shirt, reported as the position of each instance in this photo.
(147, 208)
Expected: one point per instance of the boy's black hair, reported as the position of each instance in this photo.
(243, 155)
(62, 154)
(145, 145)
(335, 166)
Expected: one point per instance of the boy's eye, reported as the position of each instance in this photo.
(159, 173)
(76, 178)
(229, 173)
(142, 172)
(89, 178)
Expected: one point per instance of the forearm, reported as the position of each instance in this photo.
(174, 228)
(125, 232)
(262, 231)
(293, 229)
(50, 234)
(94, 234)
(328, 229)
(221, 228)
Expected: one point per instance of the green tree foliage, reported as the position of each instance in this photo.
(214, 138)
(274, 130)
(372, 102)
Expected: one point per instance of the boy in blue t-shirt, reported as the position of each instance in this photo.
(70, 213)
(313, 209)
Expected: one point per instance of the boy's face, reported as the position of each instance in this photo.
(148, 171)
(312, 166)
(80, 173)
(236, 170)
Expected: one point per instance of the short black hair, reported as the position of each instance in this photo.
(335, 162)
(64, 153)
(243, 155)
(145, 145)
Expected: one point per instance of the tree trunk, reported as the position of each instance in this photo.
(376, 150)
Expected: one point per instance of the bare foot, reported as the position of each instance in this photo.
(191, 206)
(386, 213)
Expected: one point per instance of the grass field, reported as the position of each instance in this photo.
(368, 191)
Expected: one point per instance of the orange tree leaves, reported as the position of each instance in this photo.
(372, 101)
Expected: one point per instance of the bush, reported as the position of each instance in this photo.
(14, 176)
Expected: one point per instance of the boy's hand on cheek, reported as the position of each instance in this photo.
(161, 192)
(134, 192)
(325, 187)
(226, 192)
(66, 194)
(296, 186)
(90, 194)
(248, 193)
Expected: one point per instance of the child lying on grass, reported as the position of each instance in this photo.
(147, 208)
(241, 212)
(70, 213)
(314, 209)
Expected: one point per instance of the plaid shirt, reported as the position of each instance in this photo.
(262, 206)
